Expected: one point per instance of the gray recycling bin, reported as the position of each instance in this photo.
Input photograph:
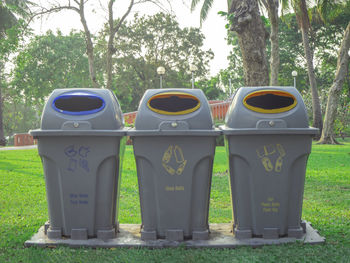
(81, 145)
(174, 146)
(268, 140)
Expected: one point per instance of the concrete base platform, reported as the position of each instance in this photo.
(129, 236)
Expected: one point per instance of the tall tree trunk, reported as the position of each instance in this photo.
(272, 9)
(304, 24)
(252, 36)
(89, 45)
(334, 92)
(109, 63)
(113, 29)
(88, 39)
(2, 135)
(316, 106)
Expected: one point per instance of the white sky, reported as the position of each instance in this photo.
(213, 27)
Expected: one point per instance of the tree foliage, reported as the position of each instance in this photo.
(12, 28)
(146, 43)
(48, 62)
(212, 88)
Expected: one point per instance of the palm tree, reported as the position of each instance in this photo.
(206, 6)
(300, 8)
(8, 9)
(251, 34)
(329, 11)
(242, 11)
(272, 9)
(327, 136)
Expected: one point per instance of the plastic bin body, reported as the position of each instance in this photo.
(174, 157)
(82, 155)
(267, 154)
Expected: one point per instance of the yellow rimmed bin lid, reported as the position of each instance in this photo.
(174, 109)
(270, 101)
(174, 103)
(280, 105)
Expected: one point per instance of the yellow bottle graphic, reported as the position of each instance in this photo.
(169, 169)
(267, 164)
(179, 158)
(179, 155)
(279, 163)
(181, 168)
(167, 154)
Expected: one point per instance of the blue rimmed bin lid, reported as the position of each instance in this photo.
(78, 103)
(81, 109)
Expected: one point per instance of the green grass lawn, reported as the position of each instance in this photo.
(23, 210)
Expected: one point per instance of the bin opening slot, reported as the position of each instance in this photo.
(173, 103)
(78, 103)
(270, 101)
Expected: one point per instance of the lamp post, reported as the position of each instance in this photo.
(161, 72)
(294, 74)
(230, 87)
(193, 68)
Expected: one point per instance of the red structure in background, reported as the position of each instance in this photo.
(23, 139)
(130, 117)
(218, 110)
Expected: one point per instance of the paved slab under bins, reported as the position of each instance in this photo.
(129, 236)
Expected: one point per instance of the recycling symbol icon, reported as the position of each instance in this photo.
(177, 166)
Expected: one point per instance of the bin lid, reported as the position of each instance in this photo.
(82, 109)
(174, 110)
(268, 108)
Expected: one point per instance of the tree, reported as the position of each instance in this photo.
(79, 7)
(49, 62)
(301, 10)
(20, 117)
(272, 8)
(326, 41)
(11, 30)
(211, 88)
(146, 43)
(46, 63)
(245, 20)
(234, 72)
(327, 136)
(292, 56)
